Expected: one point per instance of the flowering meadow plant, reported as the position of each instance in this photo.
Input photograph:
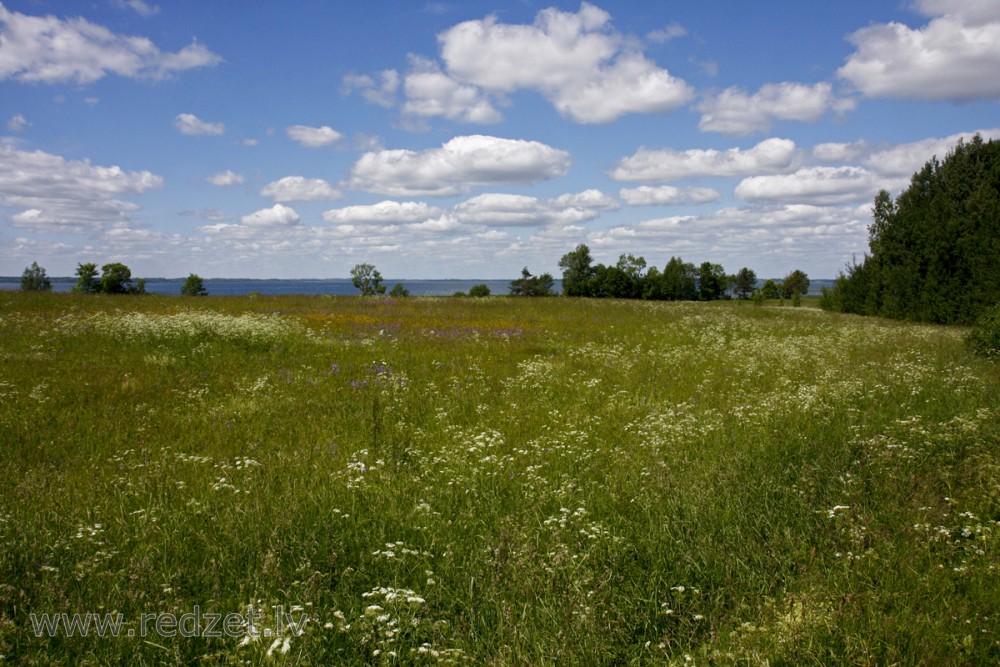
(491, 481)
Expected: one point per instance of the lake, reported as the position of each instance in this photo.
(341, 286)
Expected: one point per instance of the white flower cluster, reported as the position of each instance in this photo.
(253, 328)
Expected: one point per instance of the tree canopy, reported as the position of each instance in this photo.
(935, 248)
(367, 279)
(34, 279)
(529, 285)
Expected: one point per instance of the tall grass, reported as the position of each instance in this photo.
(495, 481)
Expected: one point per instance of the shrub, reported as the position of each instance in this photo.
(479, 290)
(985, 335)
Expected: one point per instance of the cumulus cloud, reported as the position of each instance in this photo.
(47, 49)
(276, 216)
(226, 179)
(18, 123)
(458, 165)
(429, 92)
(734, 111)
(589, 72)
(590, 199)
(952, 57)
(313, 137)
(769, 156)
(299, 188)
(384, 212)
(771, 239)
(905, 159)
(508, 210)
(140, 7)
(667, 33)
(382, 93)
(191, 125)
(667, 195)
(812, 185)
(73, 195)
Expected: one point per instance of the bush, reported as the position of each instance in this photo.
(399, 290)
(479, 290)
(985, 335)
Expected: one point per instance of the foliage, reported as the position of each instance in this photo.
(681, 483)
(480, 290)
(116, 278)
(194, 286)
(712, 281)
(366, 278)
(578, 272)
(630, 279)
(529, 285)
(794, 283)
(984, 337)
(770, 289)
(399, 290)
(34, 279)
(934, 248)
(744, 282)
(87, 281)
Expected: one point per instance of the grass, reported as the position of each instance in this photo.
(493, 481)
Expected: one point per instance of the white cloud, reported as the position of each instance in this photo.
(905, 159)
(384, 212)
(632, 84)
(812, 185)
(46, 49)
(733, 111)
(507, 210)
(591, 199)
(226, 179)
(383, 93)
(973, 12)
(66, 194)
(772, 240)
(313, 137)
(445, 224)
(667, 33)
(299, 188)
(841, 152)
(276, 216)
(141, 8)
(588, 71)
(667, 195)
(429, 92)
(458, 165)
(954, 57)
(18, 123)
(769, 156)
(191, 125)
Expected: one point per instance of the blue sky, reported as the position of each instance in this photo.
(469, 139)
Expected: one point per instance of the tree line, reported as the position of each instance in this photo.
(629, 278)
(934, 249)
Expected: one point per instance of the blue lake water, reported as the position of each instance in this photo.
(343, 286)
(339, 287)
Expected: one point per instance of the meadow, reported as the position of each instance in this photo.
(495, 481)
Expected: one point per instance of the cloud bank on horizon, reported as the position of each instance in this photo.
(470, 140)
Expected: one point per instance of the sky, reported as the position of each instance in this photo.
(470, 139)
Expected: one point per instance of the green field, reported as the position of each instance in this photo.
(493, 481)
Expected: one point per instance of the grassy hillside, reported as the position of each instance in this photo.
(493, 481)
